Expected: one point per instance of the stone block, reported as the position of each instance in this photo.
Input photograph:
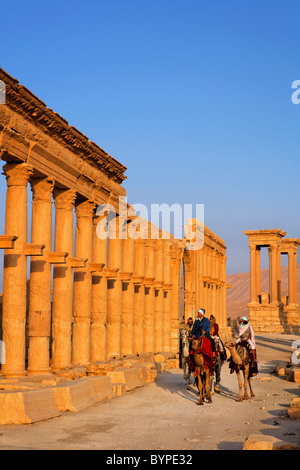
(260, 442)
(159, 358)
(293, 374)
(172, 364)
(280, 368)
(82, 393)
(294, 410)
(27, 407)
(153, 375)
(129, 377)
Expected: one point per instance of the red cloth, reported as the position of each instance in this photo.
(206, 351)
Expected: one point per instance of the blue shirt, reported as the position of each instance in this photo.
(201, 325)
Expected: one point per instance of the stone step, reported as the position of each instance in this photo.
(82, 393)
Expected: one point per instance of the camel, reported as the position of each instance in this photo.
(216, 375)
(184, 353)
(202, 372)
(240, 361)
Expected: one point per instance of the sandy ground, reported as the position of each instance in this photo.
(164, 416)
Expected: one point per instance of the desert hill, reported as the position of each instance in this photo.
(239, 295)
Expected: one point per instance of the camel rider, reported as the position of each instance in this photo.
(214, 327)
(202, 328)
(246, 333)
(188, 326)
(186, 330)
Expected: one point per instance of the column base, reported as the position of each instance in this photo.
(42, 371)
(12, 374)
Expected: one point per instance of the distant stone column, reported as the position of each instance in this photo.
(201, 271)
(253, 279)
(62, 306)
(83, 284)
(295, 296)
(258, 271)
(159, 296)
(167, 321)
(139, 296)
(176, 264)
(223, 294)
(40, 278)
(149, 317)
(15, 269)
(99, 297)
(292, 276)
(273, 273)
(128, 297)
(114, 292)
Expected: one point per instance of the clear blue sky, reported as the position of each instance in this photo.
(194, 97)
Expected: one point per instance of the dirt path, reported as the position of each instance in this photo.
(164, 416)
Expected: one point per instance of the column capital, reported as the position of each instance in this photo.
(273, 247)
(64, 198)
(149, 243)
(85, 208)
(166, 247)
(17, 174)
(253, 246)
(42, 188)
(159, 245)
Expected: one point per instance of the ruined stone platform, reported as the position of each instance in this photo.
(30, 399)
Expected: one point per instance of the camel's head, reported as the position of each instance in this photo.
(195, 344)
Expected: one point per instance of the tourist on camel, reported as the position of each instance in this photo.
(246, 334)
(202, 327)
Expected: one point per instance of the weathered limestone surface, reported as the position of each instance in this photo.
(80, 394)
(260, 442)
(130, 377)
(27, 407)
(294, 410)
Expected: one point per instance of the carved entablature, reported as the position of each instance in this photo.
(32, 133)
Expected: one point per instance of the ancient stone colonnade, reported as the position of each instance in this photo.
(88, 298)
(205, 279)
(271, 312)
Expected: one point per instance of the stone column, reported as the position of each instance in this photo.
(176, 264)
(99, 298)
(159, 296)
(292, 275)
(114, 293)
(139, 297)
(205, 275)
(223, 294)
(167, 322)
(149, 296)
(253, 279)
(258, 271)
(81, 346)
(128, 297)
(295, 298)
(62, 307)
(273, 274)
(201, 270)
(40, 278)
(15, 269)
(279, 294)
